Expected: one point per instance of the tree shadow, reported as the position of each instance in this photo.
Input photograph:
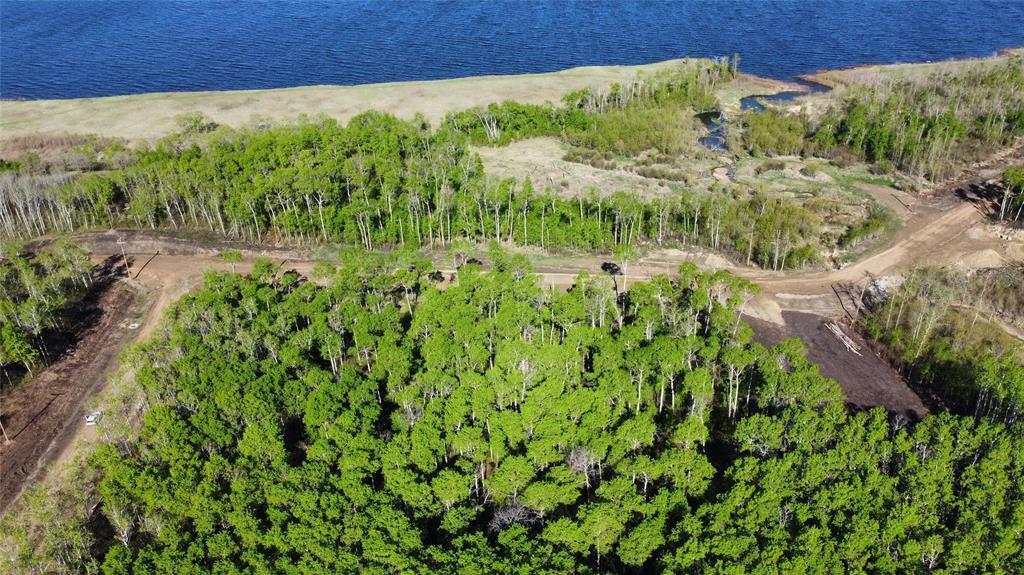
(987, 197)
(82, 314)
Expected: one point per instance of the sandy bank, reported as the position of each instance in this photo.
(870, 73)
(152, 115)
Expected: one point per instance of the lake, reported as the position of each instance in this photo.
(76, 48)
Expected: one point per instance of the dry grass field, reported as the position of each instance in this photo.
(873, 73)
(146, 116)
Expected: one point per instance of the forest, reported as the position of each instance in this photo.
(37, 291)
(380, 417)
(935, 326)
(374, 420)
(379, 182)
(932, 126)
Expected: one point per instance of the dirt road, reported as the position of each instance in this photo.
(924, 243)
(866, 380)
(944, 231)
(166, 266)
(44, 413)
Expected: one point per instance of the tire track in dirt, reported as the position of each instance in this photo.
(912, 246)
(43, 414)
(169, 276)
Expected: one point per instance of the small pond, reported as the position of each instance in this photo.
(714, 120)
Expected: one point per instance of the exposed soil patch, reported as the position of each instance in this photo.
(867, 380)
(43, 414)
(140, 244)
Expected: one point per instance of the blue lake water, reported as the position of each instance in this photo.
(78, 48)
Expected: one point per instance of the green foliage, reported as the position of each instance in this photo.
(231, 257)
(931, 127)
(654, 112)
(878, 220)
(35, 292)
(838, 493)
(374, 423)
(928, 326)
(500, 124)
(9, 165)
(193, 123)
(57, 539)
(810, 170)
(772, 133)
(668, 129)
(999, 291)
(379, 424)
(381, 182)
(1014, 178)
(770, 166)
(1012, 204)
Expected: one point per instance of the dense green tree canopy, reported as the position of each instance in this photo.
(376, 422)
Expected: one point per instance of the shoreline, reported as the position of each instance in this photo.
(149, 116)
(837, 77)
(152, 115)
(793, 83)
(584, 70)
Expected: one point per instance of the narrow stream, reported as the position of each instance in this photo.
(715, 123)
(757, 102)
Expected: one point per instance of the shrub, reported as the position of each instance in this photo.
(770, 166)
(878, 219)
(842, 157)
(771, 133)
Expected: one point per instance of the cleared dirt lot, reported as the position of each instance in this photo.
(867, 380)
(43, 414)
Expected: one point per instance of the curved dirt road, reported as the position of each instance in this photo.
(168, 266)
(912, 245)
(928, 236)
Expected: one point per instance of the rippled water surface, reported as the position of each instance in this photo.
(76, 48)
